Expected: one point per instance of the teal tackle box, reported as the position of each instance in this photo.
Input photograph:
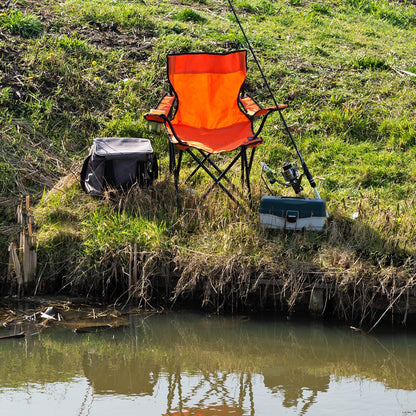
(292, 213)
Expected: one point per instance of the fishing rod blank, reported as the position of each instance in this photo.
(303, 163)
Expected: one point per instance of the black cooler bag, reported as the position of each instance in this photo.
(117, 163)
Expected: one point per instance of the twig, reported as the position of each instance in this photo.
(388, 308)
(402, 71)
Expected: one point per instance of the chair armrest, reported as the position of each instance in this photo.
(255, 110)
(161, 113)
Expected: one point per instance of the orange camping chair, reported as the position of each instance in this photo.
(206, 113)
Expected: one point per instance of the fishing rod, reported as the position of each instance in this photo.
(302, 161)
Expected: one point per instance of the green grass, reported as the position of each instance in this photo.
(93, 68)
(126, 14)
(17, 23)
(387, 11)
(190, 15)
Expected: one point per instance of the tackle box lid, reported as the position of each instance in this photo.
(305, 207)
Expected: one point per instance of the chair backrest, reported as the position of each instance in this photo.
(207, 86)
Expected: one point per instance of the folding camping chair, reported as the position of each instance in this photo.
(206, 113)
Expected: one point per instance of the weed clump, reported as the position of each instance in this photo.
(190, 15)
(369, 62)
(259, 7)
(23, 24)
(321, 8)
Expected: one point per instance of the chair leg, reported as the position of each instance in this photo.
(243, 166)
(206, 157)
(171, 157)
(202, 164)
(248, 171)
(246, 166)
(213, 164)
(176, 170)
(217, 180)
(251, 158)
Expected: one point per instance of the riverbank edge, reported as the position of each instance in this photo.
(237, 289)
(255, 271)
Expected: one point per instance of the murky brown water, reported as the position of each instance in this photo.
(190, 364)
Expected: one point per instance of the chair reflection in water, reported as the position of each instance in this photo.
(208, 113)
(215, 398)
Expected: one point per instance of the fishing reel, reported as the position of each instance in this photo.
(290, 173)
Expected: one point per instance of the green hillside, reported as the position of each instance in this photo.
(74, 70)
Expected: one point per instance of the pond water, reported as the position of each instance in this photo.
(192, 364)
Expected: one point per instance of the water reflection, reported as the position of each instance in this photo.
(188, 364)
(296, 382)
(212, 394)
(129, 377)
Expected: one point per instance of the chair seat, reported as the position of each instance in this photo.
(218, 140)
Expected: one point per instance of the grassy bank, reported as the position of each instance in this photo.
(73, 71)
